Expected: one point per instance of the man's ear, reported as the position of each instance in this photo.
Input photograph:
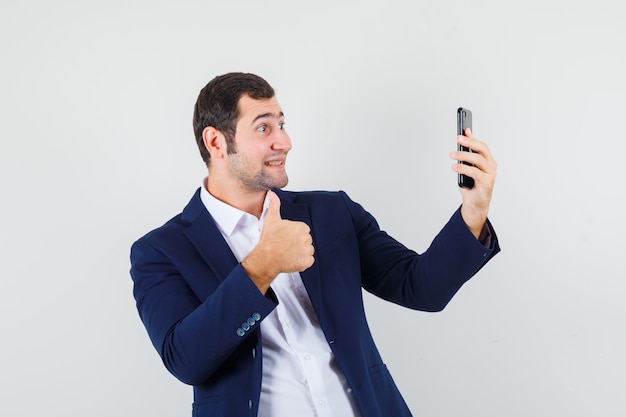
(214, 142)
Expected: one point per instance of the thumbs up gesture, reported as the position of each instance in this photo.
(284, 246)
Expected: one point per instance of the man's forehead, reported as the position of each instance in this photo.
(253, 108)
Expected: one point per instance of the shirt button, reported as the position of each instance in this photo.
(307, 357)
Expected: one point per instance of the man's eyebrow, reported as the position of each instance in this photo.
(265, 115)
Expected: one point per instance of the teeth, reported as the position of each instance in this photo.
(274, 163)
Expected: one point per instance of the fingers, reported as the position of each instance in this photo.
(480, 155)
(478, 164)
(273, 211)
(469, 141)
(304, 257)
(479, 176)
(297, 252)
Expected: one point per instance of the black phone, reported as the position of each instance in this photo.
(463, 121)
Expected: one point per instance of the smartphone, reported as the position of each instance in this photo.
(463, 121)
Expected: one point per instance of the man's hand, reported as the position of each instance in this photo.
(475, 200)
(284, 246)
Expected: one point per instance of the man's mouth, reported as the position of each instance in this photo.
(274, 163)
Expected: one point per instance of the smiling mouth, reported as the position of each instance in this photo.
(274, 163)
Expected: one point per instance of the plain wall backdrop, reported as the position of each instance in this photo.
(96, 102)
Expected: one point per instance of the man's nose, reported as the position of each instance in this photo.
(281, 141)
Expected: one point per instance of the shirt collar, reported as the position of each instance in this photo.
(226, 216)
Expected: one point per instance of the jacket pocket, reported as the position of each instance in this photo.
(208, 407)
(388, 396)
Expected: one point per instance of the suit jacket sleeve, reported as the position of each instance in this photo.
(192, 315)
(424, 281)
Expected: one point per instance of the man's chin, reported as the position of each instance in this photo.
(269, 185)
(279, 183)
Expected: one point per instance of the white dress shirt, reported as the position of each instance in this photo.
(300, 375)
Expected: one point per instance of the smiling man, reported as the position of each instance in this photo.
(253, 294)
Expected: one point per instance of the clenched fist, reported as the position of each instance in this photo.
(284, 246)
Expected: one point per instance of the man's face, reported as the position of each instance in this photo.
(261, 145)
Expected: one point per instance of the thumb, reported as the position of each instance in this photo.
(273, 211)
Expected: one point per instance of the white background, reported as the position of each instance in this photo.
(97, 149)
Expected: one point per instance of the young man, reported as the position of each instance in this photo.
(253, 294)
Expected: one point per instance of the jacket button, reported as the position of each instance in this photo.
(240, 332)
(256, 316)
(251, 321)
(250, 404)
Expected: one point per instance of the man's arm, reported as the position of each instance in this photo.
(425, 281)
(193, 337)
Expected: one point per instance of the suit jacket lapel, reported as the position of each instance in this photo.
(207, 239)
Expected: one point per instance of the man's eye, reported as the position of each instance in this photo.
(261, 128)
(281, 126)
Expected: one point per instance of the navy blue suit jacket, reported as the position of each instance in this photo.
(204, 315)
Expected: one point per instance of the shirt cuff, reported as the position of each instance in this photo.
(485, 236)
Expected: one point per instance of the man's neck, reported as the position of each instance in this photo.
(250, 201)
